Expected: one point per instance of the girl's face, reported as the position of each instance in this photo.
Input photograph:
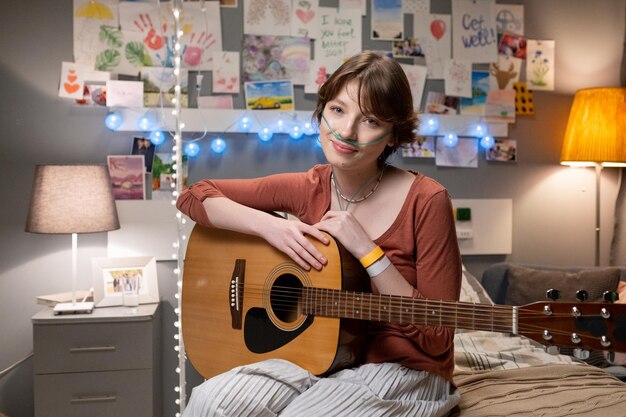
(349, 138)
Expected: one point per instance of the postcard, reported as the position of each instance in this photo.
(480, 90)
(474, 34)
(504, 150)
(276, 95)
(127, 176)
(512, 45)
(540, 65)
(261, 19)
(387, 20)
(463, 155)
(423, 147)
(276, 58)
(439, 103)
(124, 93)
(226, 72)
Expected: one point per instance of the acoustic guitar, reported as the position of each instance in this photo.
(244, 301)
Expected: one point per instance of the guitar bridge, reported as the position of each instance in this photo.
(235, 297)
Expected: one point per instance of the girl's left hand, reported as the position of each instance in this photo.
(344, 227)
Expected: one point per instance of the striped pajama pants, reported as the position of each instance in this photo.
(280, 388)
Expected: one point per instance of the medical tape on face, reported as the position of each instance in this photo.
(352, 142)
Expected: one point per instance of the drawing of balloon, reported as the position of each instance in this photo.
(438, 28)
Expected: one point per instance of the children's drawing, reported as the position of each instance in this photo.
(226, 72)
(500, 106)
(202, 30)
(276, 58)
(434, 34)
(504, 73)
(480, 89)
(153, 23)
(340, 37)
(463, 155)
(512, 45)
(89, 17)
(305, 19)
(269, 95)
(475, 37)
(387, 20)
(267, 17)
(510, 18)
(72, 80)
(458, 76)
(416, 75)
(317, 76)
(540, 65)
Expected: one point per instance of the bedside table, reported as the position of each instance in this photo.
(107, 363)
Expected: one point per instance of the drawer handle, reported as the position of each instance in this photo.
(93, 399)
(93, 349)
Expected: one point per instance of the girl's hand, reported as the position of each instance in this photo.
(344, 227)
(290, 237)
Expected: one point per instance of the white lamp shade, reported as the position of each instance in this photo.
(72, 199)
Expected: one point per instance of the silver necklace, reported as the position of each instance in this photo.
(352, 200)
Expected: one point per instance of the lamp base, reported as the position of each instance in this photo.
(73, 308)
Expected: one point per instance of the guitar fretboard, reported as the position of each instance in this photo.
(397, 309)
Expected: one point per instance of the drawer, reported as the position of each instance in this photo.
(92, 346)
(95, 394)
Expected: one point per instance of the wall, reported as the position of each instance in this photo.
(553, 206)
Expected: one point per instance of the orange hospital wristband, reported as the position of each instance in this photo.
(372, 257)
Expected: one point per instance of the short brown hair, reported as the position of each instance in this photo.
(384, 93)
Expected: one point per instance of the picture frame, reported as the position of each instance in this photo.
(107, 272)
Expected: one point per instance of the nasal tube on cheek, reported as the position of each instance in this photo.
(349, 141)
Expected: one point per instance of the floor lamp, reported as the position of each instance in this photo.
(72, 199)
(596, 136)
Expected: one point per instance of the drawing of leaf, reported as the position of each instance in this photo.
(107, 60)
(137, 55)
(110, 35)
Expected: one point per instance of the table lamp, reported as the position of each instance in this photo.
(72, 199)
(596, 136)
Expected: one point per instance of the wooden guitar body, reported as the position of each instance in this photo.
(270, 325)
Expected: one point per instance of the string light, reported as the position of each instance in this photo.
(157, 137)
(218, 145)
(265, 134)
(113, 120)
(192, 149)
(487, 142)
(245, 124)
(144, 123)
(450, 139)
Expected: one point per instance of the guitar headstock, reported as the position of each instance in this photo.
(599, 326)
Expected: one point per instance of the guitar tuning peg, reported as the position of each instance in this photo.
(552, 350)
(610, 296)
(582, 295)
(553, 294)
(581, 354)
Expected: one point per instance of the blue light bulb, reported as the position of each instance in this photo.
(450, 139)
(157, 137)
(144, 123)
(309, 129)
(192, 149)
(295, 132)
(218, 145)
(265, 134)
(113, 120)
(487, 142)
(431, 125)
(245, 124)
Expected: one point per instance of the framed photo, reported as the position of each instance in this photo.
(108, 274)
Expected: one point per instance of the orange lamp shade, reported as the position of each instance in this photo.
(596, 128)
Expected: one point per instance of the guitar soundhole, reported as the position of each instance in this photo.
(284, 297)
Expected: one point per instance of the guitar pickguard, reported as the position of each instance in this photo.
(262, 336)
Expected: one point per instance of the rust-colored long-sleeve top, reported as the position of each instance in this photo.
(421, 243)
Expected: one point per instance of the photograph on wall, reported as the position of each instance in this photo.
(503, 150)
(463, 155)
(423, 147)
(474, 34)
(540, 65)
(266, 95)
(159, 84)
(407, 48)
(439, 103)
(512, 45)
(162, 175)
(127, 176)
(94, 87)
(267, 17)
(275, 58)
(387, 20)
(143, 146)
(480, 89)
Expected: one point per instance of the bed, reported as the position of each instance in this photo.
(505, 375)
(498, 374)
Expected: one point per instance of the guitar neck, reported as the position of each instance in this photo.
(398, 309)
